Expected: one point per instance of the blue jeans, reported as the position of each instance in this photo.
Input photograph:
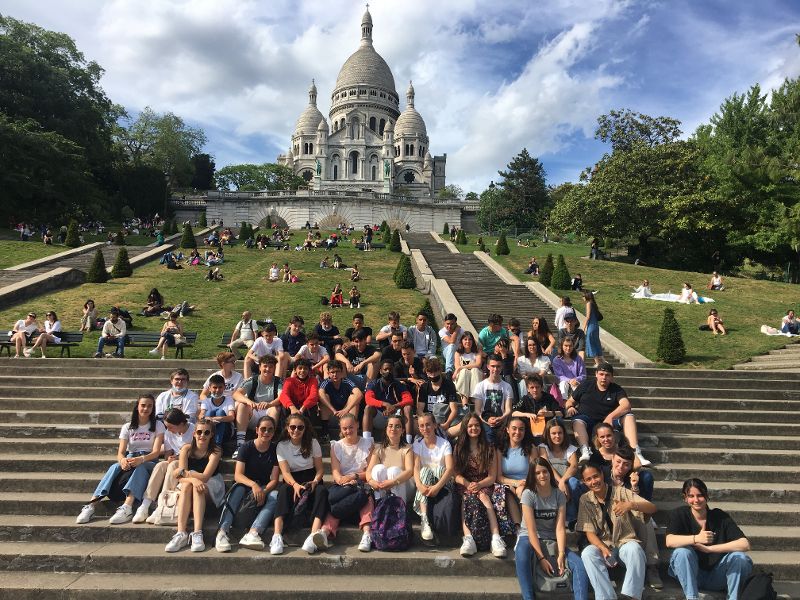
(632, 555)
(449, 355)
(523, 553)
(576, 490)
(728, 573)
(136, 485)
(120, 342)
(262, 520)
(220, 429)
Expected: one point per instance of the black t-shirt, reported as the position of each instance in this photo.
(681, 522)
(292, 344)
(338, 397)
(403, 371)
(327, 337)
(258, 465)
(528, 404)
(391, 354)
(348, 333)
(355, 357)
(441, 397)
(594, 403)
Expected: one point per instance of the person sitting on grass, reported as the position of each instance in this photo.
(52, 327)
(355, 274)
(89, 316)
(577, 283)
(337, 296)
(155, 304)
(716, 282)
(533, 267)
(790, 324)
(688, 295)
(274, 273)
(714, 322)
(355, 297)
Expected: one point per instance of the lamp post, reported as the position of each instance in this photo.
(491, 206)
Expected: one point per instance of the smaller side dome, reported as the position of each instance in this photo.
(310, 118)
(323, 125)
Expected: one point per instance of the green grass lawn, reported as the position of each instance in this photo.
(220, 304)
(14, 251)
(744, 306)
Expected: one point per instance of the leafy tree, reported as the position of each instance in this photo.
(525, 199)
(560, 279)
(251, 177)
(55, 124)
(126, 212)
(203, 221)
(142, 187)
(188, 241)
(203, 168)
(546, 272)
(502, 245)
(384, 226)
(450, 192)
(404, 278)
(122, 265)
(624, 129)
(73, 239)
(446, 229)
(97, 271)
(671, 348)
(394, 244)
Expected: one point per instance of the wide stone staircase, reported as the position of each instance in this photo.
(782, 359)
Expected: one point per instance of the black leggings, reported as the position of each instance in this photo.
(286, 501)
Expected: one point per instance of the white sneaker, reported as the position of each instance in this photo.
(366, 542)
(252, 541)
(198, 545)
(468, 547)
(498, 547)
(427, 532)
(123, 515)
(27, 352)
(163, 358)
(309, 545)
(276, 545)
(320, 538)
(153, 351)
(222, 543)
(642, 460)
(151, 519)
(141, 514)
(178, 541)
(585, 455)
(87, 512)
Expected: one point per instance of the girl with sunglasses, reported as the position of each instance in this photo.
(256, 475)
(300, 461)
(199, 480)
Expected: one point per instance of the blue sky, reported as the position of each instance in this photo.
(490, 77)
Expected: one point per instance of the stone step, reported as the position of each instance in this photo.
(769, 366)
(729, 393)
(709, 381)
(62, 528)
(665, 425)
(11, 366)
(87, 405)
(699, 440)
(741, 491)
(717, 403)
(728, 456)
(63, 417)
(766, 477)
(660, 374)
(708, 416)
(34, 383)
(792, 355)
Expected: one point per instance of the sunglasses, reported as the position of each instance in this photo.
(297, 427)
(266, 429)
(202, 432)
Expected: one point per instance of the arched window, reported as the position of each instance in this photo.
(355, 125)
(311, 148)
(341, 123)
(412, 150)
(335, 166)
(354, 162)
(336, 171)
(382, 126)
(374, 173)
(372, 122)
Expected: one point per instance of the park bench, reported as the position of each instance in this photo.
(226, 339)
(149, 339)
(69, 339)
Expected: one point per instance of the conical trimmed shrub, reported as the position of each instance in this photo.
(560, 279)
(188, 241)
(394, 245)
(97, 272)
(446, 229)
(502, 245)
(173, 227)
(671, 348)
(546, 272)
(461, 238)
(405, 279)
(268, 223)
(387, 236)
(119, 239)
(122, 265)
(203, 221)
(384, 225)
(72, 240)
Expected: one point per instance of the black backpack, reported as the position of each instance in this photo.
(758, 586)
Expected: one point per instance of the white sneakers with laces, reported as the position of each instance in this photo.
(365, 545)
(309, 545)
(123, 514)
(320, 539)
(86, 514)
(427, 532)
(585, 455)
(498, 547)
(468, 546)
(222, 543)
(178, 541)
(198, 545)
(141, 514)
(252, 540)
(276, 545)
(642, 460)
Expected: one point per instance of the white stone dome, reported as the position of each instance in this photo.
(365, 67)
(310, 118)
(410, 122)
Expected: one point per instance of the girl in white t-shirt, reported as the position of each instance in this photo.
(52, 327)
(300, 461)
(350, 456)
(140, 442)
(563, 456)
(433, 468)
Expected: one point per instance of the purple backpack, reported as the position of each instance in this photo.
(391, 527)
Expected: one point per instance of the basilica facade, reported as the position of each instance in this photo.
(368, 144)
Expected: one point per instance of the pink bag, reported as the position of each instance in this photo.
(555, 392)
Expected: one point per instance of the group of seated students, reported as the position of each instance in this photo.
(502, 459)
